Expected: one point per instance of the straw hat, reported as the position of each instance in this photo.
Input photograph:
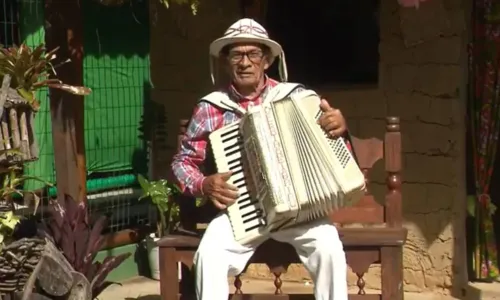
(248, 31)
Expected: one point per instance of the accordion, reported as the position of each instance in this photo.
(286, 168)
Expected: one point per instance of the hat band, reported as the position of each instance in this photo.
(248, 30)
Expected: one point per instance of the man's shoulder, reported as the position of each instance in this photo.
(215, 95)
(221, 101)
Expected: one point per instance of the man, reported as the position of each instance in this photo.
(247, 53)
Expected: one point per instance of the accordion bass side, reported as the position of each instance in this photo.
(287, 170)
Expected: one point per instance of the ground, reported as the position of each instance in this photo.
(141, 288)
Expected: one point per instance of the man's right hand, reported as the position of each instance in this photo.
(221, 193)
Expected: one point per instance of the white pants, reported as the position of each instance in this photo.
(318, 246)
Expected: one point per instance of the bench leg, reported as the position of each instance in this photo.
(169, 281)
(392, 273)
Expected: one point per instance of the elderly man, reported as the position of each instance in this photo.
(247, 53)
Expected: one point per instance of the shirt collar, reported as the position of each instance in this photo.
(238, 97)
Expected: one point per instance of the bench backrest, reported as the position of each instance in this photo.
(368, 152)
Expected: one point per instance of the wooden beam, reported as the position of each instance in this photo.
(64, 28)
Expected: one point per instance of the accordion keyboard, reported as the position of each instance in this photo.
(245, 214)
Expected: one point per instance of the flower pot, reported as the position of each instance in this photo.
(154, 259)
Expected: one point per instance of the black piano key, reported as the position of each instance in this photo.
(239, 182)
(251, 216)
(236, 169)
(243, 205)
(233, 152)
(245, 195)
(244, 202)
(228, 137)
(235, 163)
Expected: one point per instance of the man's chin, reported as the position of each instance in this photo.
(246, 82)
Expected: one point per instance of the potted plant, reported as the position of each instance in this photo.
(23, 71)
(161, 193)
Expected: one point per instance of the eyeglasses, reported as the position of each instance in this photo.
(254, 56)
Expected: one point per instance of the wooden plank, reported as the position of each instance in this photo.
(122, 238)
(4, 91)
(297, 297)
(64, 28)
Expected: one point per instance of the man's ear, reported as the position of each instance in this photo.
(266, 63)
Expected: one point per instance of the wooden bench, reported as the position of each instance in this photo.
(364, 246)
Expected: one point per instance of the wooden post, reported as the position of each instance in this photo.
(64, 28)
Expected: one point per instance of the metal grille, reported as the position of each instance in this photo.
(9, 22)
(122, 206)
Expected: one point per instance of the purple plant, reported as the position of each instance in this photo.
(69, 229)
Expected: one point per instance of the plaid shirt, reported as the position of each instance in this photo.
(206, 118)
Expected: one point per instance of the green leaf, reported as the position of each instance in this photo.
(9, 220)
(471, 205)
(144, 183)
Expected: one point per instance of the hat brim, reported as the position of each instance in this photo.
(217, 45)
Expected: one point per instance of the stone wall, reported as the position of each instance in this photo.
(421, 80)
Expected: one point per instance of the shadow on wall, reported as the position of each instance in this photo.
(130, 20)
(141, 156)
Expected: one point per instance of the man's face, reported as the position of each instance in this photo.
(246, 64)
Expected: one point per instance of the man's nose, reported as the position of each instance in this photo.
(245, 61)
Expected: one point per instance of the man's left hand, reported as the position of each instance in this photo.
(332, 120)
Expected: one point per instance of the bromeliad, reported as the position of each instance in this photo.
(31, 70)
(80, 241)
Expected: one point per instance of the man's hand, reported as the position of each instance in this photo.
(332, 120)
(221, 193)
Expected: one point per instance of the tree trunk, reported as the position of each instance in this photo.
(57, 278)
(55, 273)
(81, 289)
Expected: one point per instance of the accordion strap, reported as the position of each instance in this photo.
(222, 101)
(282, 90)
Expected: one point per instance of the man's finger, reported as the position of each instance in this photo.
(230, 194)
(332, 126)
(325, 106)
(230, 187)
(218, 204)
(337, 132)
(226, 201)
(225, 176)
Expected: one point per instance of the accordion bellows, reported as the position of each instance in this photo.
(287, 170)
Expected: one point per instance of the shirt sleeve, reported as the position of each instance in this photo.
(187, 162)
